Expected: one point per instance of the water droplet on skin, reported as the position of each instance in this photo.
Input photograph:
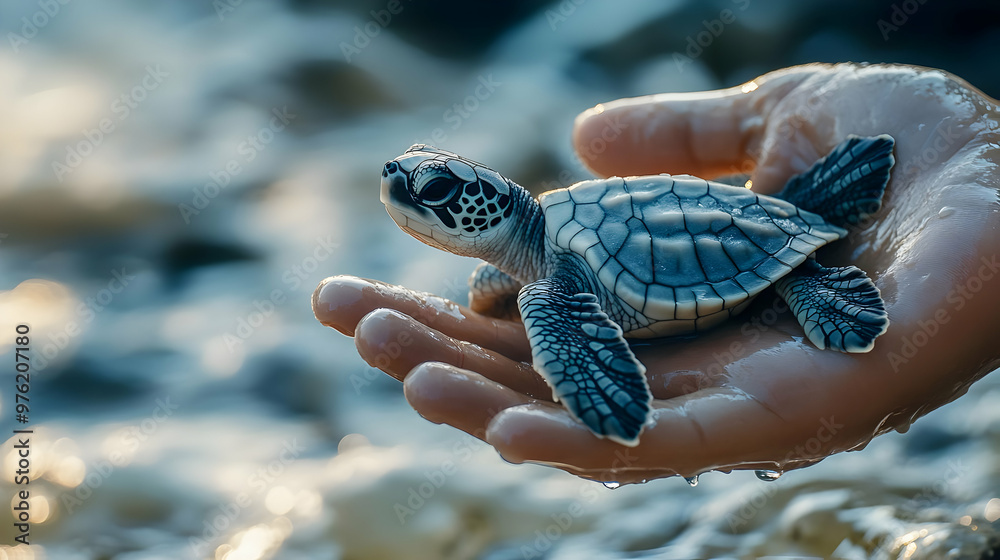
(768, 476)
(945, 212)
(692, 480)
(611, 485)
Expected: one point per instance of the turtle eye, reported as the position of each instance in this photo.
(437, 192)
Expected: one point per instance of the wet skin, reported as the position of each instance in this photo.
(753, 393)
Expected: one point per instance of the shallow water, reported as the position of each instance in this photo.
(185, 402)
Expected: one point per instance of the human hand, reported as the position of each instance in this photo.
(753, 393)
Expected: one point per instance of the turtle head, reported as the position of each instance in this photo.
(446, 200)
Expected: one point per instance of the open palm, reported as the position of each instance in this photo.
(752, 394)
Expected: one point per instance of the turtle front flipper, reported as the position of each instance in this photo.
(584, 358)
(493, 292)
(839, 308)
(847, 185)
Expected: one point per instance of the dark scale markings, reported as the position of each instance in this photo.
(833, 318)
(488, 190)
(576, 377)
(606, 390)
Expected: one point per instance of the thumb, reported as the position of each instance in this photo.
(708, 134)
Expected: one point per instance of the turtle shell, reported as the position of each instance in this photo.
(679, 247)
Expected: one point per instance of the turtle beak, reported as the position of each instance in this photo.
(395, 194)
(393, 184)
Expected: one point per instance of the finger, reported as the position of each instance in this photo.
(396, 344)
(461, 398)
(707, 134)
(719, 429)
(341, 301)
(779, 408)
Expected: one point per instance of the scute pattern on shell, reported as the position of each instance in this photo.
(679, 247)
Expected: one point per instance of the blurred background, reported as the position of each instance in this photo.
(177, 177)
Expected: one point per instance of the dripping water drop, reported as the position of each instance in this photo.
(768, 476)
(692, 480)
(611, 485)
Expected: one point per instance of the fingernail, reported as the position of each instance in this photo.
(333, 300)
(442, 392)
(376, 329)
(515, 432)
(431, 383)
(395, 343)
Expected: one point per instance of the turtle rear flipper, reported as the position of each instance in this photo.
(493, 292)
(584, 358)
(847, 185)
(839, 308)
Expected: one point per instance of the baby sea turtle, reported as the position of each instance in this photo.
(643, 257)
